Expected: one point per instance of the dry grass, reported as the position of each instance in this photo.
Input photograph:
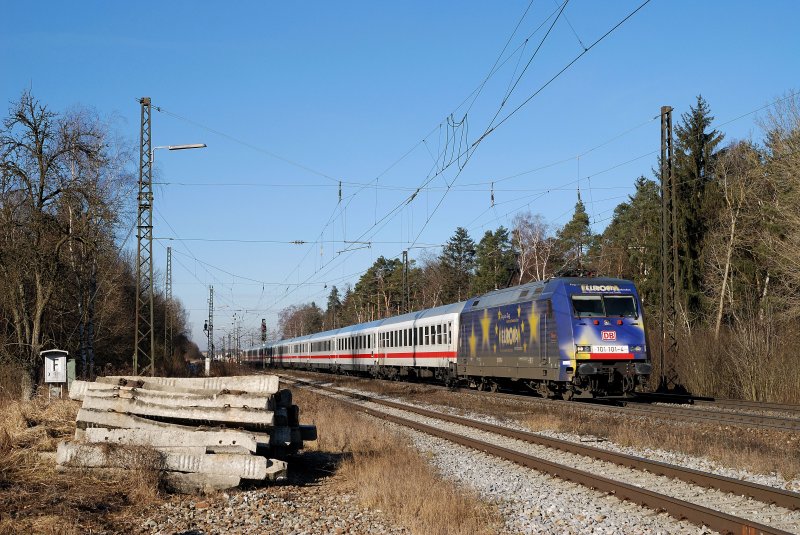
(36, 498)
(383, 469)
(756, 450)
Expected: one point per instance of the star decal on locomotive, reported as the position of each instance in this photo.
(486, 322)
(473, 342)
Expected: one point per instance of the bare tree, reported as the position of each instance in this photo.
(55, 196)
(736, 169)
(530, 235)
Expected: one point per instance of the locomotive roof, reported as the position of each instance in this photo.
(454, 308)
(528, 290)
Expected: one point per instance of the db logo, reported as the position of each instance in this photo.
(609, 335)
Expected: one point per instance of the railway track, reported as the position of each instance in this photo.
(675, 506)
(750, 405)
(705, 411)
(708, 414)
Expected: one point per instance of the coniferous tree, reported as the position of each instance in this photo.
(495, 261)
(574, 240)
(630, 246)
(457, 264)
(695, 155)
(333, 310)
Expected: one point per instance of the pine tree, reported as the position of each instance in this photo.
(495, 261)
(693, 166)
(457, 263)
(333, 310)
(574, 240)
(630, 246)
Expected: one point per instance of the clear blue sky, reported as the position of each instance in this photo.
(343, 90)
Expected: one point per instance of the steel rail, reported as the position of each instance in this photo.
(762, 493)
(754, 405)
(683, 414)
(697, 514)
(707, 415)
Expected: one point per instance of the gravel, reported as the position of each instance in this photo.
(740, 506)
(671, 457)
(304, 506)
(531, 502)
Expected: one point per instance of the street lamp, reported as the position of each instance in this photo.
(168, 282)
(145, 260)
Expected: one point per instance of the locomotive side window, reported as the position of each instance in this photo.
(588, 306)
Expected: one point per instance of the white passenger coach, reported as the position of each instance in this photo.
(424, 341)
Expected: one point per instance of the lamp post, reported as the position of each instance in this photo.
(168, 281)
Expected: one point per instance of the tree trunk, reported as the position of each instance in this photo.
(728, 254)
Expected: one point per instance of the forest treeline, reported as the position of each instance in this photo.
(738, 234)
(66, 214)
(65, 211)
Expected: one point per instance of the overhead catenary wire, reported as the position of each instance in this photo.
(418, 189)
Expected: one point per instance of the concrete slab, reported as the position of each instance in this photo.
(88, 418)
(101, 456)
(179, 399)
(78, 389)
(277, 470)
(228, 416)
(265, 384)
(160, 438)
(203, 483)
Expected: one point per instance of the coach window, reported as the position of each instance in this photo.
(426, 339)
(405, 337)
(439, 334)
(419, 336)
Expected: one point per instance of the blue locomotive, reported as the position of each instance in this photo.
(564, 337)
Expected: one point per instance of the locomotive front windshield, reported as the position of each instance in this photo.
(603, 306)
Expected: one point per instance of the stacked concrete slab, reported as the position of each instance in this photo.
(207, 433)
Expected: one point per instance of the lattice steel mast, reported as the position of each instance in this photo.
(144, 341)
(669, 256)
(168, 308)
(210, 347)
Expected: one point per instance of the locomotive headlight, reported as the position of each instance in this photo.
(583, 349)
(637, 348)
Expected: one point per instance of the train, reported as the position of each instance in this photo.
(566, 337)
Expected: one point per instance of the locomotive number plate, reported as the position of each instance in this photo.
(609, 349)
